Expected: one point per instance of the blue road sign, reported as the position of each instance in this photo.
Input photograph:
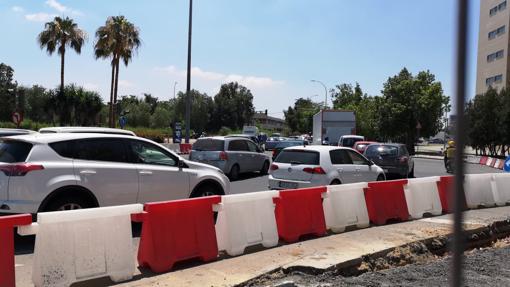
(506, 167)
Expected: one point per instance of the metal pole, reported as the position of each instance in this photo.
(461, 74)
(325, 92)
(188, 77)
(175, 84)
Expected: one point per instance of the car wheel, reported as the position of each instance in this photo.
(68, 203)
(335, 182)
(205, 190)
(234, 173)
(381, 177)
(265, 168)
(411, 173)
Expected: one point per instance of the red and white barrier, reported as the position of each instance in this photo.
(344, 205)
(386, 200)
(78, 245)
(478, 190)
(422, 196)
(246, 219)
(7, 224)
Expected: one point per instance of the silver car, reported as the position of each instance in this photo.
(233, 155)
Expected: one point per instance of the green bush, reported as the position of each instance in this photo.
(157, 135)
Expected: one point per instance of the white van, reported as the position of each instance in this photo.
(251, 130)
(349, 140)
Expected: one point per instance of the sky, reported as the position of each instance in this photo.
(273, 47)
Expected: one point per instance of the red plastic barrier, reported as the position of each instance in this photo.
(386, 200)
(483, 160)
(445, 188)
(299, 212)
(7, 224)
(501, 164)
(177, 230)
(185, 148)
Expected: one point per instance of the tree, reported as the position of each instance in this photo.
(36, 104)
(410, 101)
(82, 107)
(202, 107)
(346, 96)
(233, 107)
(300, 117)
(59, 34)
(117, 40)
(7, 92)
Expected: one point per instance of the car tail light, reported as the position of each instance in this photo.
(274, 167)
(274, 153)
(223, 156)
(403, 159)
(19, 169)
(314, 170)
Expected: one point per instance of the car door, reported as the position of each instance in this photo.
(102, 166)
(239, 152)
(257, 158)
(342, 162)
(159, 174)
(364, 171)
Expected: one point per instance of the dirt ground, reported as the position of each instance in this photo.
(482, 267)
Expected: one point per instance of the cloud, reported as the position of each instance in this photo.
(40, 17)
(61, 8)
(17, 9)
(197, 73)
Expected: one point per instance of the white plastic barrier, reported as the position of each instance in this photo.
(245, 220)
(82, 244)
(422, 196)
(478, 190)
(501, 187)
(344, 205)
(490, 161)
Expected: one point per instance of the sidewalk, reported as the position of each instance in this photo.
(331, 252)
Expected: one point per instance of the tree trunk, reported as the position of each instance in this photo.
(63, 107)
(110, 116)
(116, 90)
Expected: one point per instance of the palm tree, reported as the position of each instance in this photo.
(118, 39)
(59, 34)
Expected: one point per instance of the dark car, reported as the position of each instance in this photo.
(283, 144)
(272, 142)
(394, 159)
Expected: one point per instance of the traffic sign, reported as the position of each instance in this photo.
(17, 118)
(506, 167)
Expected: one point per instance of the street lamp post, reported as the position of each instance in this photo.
(175, 84)
(188, 76)
(325, 92)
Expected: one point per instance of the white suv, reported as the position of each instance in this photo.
(45, 172)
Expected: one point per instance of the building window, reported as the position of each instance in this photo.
(494, 80)
(495, 56)
(494, 33)
(500, 7)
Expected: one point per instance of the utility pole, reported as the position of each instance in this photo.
(175, 84)
(188, 76)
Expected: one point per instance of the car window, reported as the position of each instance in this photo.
(381, 150)
(101, 149)
(64, 148)
(340, 156)
(238, 145)
(252, 147)
(403, 150)
(209, 145)
(14, 151)
(298, 157)
(349, 142)
(357, 158)
(148, 153)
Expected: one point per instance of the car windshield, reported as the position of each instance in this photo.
(382, 150)
(298, 157)
(349, 141)
(14, 151)
(209, 145)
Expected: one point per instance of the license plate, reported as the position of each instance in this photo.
(284, 184)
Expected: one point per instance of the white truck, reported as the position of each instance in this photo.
(251, 130)
(330, 125)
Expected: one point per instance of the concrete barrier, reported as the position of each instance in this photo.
(344, 205)
(83, 244)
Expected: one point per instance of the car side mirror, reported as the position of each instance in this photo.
(370, 163)
(181, 164)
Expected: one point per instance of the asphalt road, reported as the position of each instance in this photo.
(422, 168)
(246, 183)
